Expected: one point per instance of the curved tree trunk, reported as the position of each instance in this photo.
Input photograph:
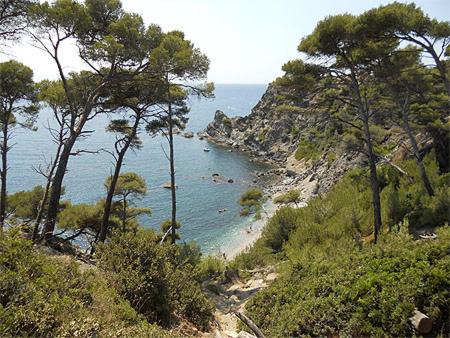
(109, 198)
(40, 214)
(441, 68)
(112, 187)
(55, 191)
(56, 188)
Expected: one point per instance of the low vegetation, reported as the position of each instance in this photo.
(334, 280)
(159, 281)
(292, 196)
(51, 296)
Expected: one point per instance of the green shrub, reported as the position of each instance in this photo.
(368, 292)
(159, 281)
(226, 121)
(48, 296)
(251, 201)
(211, 267)
(292, 196)
(244, 212)
(25, 204)
(307, 150)
(286, 108)
(335, 281)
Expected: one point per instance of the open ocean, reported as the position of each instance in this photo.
(198, 197)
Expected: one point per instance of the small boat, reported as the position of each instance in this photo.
(206, 149)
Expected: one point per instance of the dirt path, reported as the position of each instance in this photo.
(231, 298)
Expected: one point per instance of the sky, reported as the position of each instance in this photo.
(247, 41)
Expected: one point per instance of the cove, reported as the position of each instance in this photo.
(198, 197)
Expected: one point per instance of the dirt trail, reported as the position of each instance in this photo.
(232, 297)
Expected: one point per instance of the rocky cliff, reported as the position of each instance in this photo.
(281, 131)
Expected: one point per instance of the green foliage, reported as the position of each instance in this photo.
(25, 204)
(244, 212)
(307, 150)
(158, 280)
(166, 225)
(292, 196)
(81, 216)
(211, 267)
(226, 121)
(261, 136)
(334, 280)
(285, 108)
(13, 19)
(295, 131)
(251, 197)
(368, 292)
(48, 296)
(128, 184)
(251, 201)
(18, 93)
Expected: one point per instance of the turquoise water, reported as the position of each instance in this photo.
(199, 198)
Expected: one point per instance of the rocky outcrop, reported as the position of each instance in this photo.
(272, 133)
(269, 132)
(188, 134)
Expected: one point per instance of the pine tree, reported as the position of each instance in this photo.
(18, 109)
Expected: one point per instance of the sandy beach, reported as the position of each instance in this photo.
(249, 237)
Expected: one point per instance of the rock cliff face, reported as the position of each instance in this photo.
(267, 132)
(273, 131)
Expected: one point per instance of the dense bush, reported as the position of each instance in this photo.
(333, 281)
(251, 201)
(47, 296)
(292, 196)
(160, 281)
(25, 204)
(367, 292)
(307, 150)
(211, 267)
(330, 218)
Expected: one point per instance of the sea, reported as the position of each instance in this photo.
(199, 198)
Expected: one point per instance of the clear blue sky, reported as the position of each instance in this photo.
(247, 41)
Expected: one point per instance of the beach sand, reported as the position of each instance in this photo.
(248, 237)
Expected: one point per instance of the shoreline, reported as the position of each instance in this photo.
(248, 237)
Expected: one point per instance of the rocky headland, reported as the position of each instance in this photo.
(272, 133)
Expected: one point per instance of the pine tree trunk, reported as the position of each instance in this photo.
(172, 177)
(374, 184)
(109, 198)
(55, 191)
(373, 180)
(40, 213)
(412, 139)
(441, 68)
(114, 179)
(76, 130)
(4, 171)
